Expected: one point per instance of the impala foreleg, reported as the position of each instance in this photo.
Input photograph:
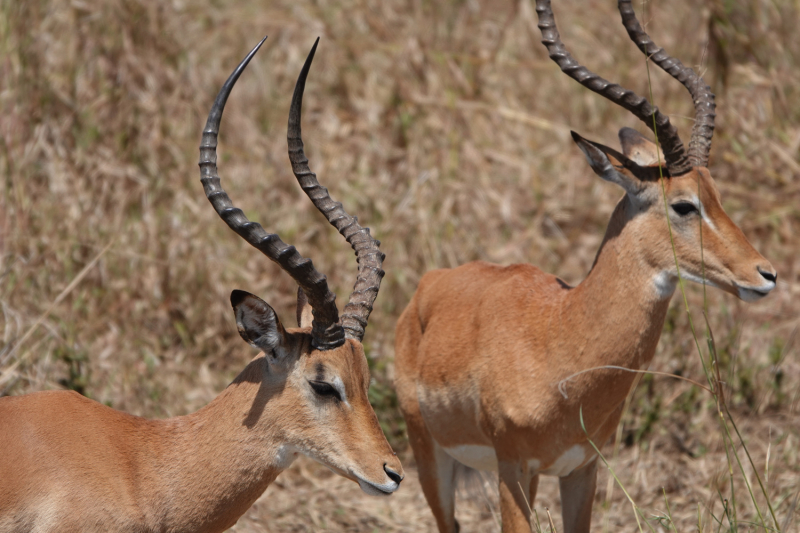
(437, 474)
(436, 469)
(577, 496)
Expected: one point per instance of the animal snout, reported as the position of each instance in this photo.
(394, 476)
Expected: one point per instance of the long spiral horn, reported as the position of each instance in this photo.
(327, 333)
(703, 98)
(674, 152)
(368, 254)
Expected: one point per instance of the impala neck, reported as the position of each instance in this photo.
(615, 316)
(219, 460)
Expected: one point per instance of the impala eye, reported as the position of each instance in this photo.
(325, 389)
(684, 208)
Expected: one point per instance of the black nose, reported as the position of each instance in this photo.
(769, 276)
(394, 476)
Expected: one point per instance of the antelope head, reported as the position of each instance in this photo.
(315, 376)
(710, 248)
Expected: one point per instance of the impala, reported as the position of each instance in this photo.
(489, 359)
(68, 463)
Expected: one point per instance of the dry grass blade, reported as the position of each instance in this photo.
(550, 519)
(9, 371)
(562, 384)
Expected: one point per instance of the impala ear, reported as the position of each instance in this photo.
(639, 149)
(610, 165)
(304, 312)
(258, 324)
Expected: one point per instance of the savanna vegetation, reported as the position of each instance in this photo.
(445, 128)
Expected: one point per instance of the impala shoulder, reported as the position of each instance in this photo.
(525, 282)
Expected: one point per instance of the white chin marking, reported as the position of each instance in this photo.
(665, 282)
(752, 295)
(665, 285)
(373, 489)
(698, 279)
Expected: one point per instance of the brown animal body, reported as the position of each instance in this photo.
(70, 464)
(495, 366)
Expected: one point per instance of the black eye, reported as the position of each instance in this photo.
(325, 389)
(684, 208)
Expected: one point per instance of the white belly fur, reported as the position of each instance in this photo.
(484, 458)
(474, 456)
(567, 462)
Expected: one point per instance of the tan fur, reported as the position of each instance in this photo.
(481, 349)
(70, 464)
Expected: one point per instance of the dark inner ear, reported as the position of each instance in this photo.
(624, 164)
(257, 322)
(639, 148)
(616, 158)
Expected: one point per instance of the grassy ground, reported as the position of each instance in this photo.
(445, 128)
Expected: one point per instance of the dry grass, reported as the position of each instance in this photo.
(444, 127)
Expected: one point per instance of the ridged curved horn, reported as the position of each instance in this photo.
(674, 151)
(703, 98)
(326, 332)
(368, 254)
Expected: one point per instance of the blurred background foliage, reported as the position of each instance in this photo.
(442, 125)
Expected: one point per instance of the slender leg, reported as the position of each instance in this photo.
(534, 487)
(515, 503)
(436, 475)
(577, 496)
(436, 468)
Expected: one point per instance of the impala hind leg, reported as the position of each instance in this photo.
(517, 490)
(577, 496)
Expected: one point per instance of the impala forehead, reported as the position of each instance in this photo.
(343, 368)
(321, 370)
(698, 184)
